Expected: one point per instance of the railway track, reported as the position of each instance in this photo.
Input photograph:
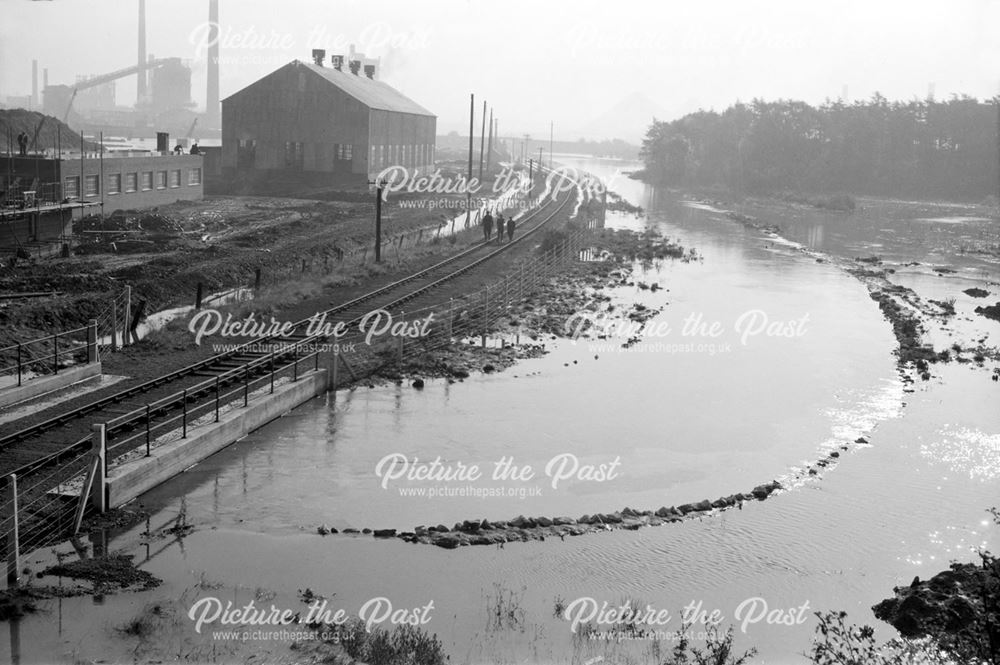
(62, 439)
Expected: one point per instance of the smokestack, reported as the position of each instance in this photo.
(370, 71)
(319, 55)
(45, 78)
(212, 109)
(140, 84)
(337, 61)
(34, 84)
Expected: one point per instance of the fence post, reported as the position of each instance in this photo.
(333, 374)
(55, 353)
(18, 363)
(92, 341)
(402, 341)
(451, 319)
(128, 314)
(13, 537)
(272, 371)
(486, 314)
(216, 399)
(197, 296)
(184, 416)
(256, 280)
(99, 451)
(147, 430)
(246, 386)
(114, 325)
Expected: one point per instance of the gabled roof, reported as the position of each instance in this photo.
(373, 94)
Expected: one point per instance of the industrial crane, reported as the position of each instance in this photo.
(111, 76)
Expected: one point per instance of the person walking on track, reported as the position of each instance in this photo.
(487, 226)
(510, 228)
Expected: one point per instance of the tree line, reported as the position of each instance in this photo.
(923, 149)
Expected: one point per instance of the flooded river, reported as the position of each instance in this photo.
(689, 415)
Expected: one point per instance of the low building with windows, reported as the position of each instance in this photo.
(318, 123)
(40, 196)
(120, 181)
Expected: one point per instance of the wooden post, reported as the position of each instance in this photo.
(256, 280)
(402, 315)
(92, 341)
(128, 314)
(197, 296)
(98, 452)
(486, 314)
(114, 325)
(13, 537)
(333, 373)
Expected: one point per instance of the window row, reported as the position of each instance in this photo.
(133, 182)
(394, 154)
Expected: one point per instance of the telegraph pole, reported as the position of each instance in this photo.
(551, 126)
(489, 145)
(482, 141)
(468, 191)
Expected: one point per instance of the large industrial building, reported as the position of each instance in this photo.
(324, 123)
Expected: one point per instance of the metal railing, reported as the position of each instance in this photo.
(47, 355)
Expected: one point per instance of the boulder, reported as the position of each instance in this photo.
(448, 542)
(385, 533)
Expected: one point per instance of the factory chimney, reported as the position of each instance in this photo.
(140, 84)
(34, 84)
(212, 100)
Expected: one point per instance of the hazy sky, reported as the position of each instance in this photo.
(537, 60)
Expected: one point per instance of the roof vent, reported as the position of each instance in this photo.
(319, 55)
(355, 67)
(370, 71)
(337, 61)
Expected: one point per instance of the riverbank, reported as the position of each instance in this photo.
(830, 539)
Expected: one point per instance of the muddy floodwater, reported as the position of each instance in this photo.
(771, 359)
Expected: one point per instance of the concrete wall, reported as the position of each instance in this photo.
(129, 480)
(45, 384)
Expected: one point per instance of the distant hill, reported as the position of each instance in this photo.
(15, 121)
(630, 117)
